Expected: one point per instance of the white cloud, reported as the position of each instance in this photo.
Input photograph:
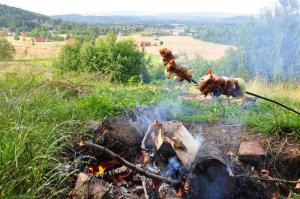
(99, 6)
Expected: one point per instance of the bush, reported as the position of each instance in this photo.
(119, 59)
(69, 59)
(7, 51)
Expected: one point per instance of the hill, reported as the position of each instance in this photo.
(16, 19)
(125, 18)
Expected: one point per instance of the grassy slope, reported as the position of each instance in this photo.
(38, 115)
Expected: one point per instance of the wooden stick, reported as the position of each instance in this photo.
(143, 146)
(144, 184)
(128, 164)
(270, 180)
(273, 101)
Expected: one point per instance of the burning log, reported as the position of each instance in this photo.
(119, 135)
(139, 170)
(203, 165)
(211, 177)
(173, 134)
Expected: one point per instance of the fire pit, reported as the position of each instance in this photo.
(139, 155)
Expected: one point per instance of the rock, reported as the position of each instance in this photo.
(252, 153)
(165, 191)
(88, 186)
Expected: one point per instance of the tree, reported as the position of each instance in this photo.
(269, 46)
(7, 51)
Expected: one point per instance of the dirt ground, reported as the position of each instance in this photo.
(283, 153)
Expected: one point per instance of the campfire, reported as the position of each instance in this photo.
(138, 156)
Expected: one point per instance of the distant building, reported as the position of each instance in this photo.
(40, 38)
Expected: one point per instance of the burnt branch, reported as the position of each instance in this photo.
(139, 170)
(143, 146)
(270, 179)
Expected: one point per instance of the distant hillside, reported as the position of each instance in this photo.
(16, 19)
(115, 19)
(123, 18)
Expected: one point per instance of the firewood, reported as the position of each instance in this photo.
(92, 146)
(174, 134)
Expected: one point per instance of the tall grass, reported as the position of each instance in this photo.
(270, 118)
(37, 119)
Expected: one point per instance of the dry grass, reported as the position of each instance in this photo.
(185, 44)
(278, 90)
(26, 49)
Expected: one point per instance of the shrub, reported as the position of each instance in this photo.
(119, 59)
(7, 51)
(69, 59)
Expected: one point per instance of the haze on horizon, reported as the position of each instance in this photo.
(100, 7)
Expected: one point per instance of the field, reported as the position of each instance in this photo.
(41, 108)
(186, 45)
(26, 49)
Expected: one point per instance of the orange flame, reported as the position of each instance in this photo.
(98, 170)
(144, 158)
(101, 170)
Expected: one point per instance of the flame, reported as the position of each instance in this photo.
(182, 189)
(144, 158)
(96, 170)
(101, 170)
(179, 192)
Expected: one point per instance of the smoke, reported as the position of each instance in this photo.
(174, 167)
(142, 116)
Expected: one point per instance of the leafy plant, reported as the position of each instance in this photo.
(7, 51)
(119, 59)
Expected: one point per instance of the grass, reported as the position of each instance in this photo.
(270, 118)
(37, 118)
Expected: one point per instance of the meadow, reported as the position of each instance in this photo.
(42, 109)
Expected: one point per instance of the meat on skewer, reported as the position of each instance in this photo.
(215, 85)
(180, 72)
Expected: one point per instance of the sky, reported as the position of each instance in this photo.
(98, 7)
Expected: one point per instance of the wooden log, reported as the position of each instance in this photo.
(173, 134)
(121, 130)
(211, 176)
(119, 135)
